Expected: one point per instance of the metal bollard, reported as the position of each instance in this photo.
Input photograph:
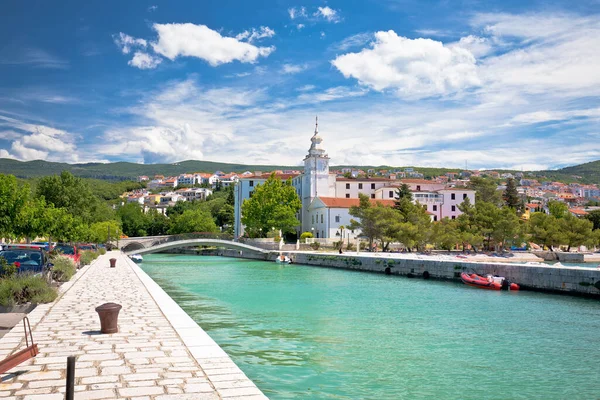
(70, 393)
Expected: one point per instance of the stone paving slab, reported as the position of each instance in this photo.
(159, 353)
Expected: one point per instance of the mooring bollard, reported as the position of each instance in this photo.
(109, 315)
(70, 389)
(113, 262)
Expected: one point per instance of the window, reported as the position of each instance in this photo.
(347, 186)
(391, 193)
(372, 195)
(321, 218)
(337, 218)
(347, 195)
(453, 208)
(435, 207)
(360, 185)
(464, 196)
(251, 183)
(453, 196)
(435, 217)
(453, 217)
(418, 188)
(372, 186)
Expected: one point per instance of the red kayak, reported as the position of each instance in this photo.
(487, 282)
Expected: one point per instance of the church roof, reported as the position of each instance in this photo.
(266, 176)
(341, 202)
(364, 179)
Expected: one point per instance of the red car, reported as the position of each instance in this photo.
(70, 251)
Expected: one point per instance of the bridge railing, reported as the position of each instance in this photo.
(195, 235)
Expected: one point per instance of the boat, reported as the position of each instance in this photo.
(488, 282)
(281, 259)
(137, 258)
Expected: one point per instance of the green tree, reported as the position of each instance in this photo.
(13, 198)
(594, 217)
(468, 226)
(416, 228)
(273, 204)
(507, 229)
(511, 196)
(197, 220)
(68, 192)
(133, 220)
(158, 223)
(402, 193)
(558, 209)
(367, 219)
(576, 231)
(545, 229)
(485, 190)
(100, 231)
(31, 220)
(445, 233)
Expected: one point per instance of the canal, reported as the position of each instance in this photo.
(304, 332)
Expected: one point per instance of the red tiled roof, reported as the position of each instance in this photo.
(266, 176)
(461, 189)
(364, 179)
(423, 181)
(340, 202)
(578, 211)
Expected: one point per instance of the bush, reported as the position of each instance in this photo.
(102, 251)
(64, 268)
(315, 245)
(87, 257)
(21, 289)
(7, 270)
(304, 236)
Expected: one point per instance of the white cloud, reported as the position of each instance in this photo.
(306, 88)
(299, 26)
(334, 93)
(189, 40)
(293, 69)
(296, 12)
(143, 60)
(256, 34)
(478, 46)
(411, 67)
(358, 40)
(34, 57)
(322, 35)
(328, 13)
(152, 8)
(126, 43)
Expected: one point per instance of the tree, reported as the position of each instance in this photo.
(575, 231)
(100, 231)
(445, 233)
(158, 223)
(68, 192)
(133, 219)
(511, 196)
(402, 193)
(546, 230)
(31, 220)
(366, 221)
(485, 190)
(13, 198)
(415, 230)
(470, 233)
(197, 220)
(558, 209)
(594, 217)
(273, 204)
(508, 229)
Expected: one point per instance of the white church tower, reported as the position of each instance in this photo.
(316, 180)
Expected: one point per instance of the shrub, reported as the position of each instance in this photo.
(304, 236)
(21, 289)
(102, 251)
(7, 270)
(315, 245)
(87, 257)
(64, 268)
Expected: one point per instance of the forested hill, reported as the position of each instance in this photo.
(123, 170)
(584, 173)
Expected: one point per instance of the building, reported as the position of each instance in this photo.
(327, 197)
(194, 194)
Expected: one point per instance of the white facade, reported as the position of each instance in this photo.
(194, 194)
(186, 179)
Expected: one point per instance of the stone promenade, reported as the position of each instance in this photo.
(160, 353)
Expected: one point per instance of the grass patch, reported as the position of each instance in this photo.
(21, 289)
(64, 268)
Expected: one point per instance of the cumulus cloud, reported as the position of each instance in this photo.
(189, 40)
(143, 60)
(328, 13)
(256, 34)
(293, 69)
(478, 46)
(126, 43)
(411, 67)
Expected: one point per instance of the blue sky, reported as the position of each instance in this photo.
(495, 84)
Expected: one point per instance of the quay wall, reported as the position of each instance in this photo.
(579, 281)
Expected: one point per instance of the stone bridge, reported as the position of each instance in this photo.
(155, 244)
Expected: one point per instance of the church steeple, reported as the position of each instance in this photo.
(315, 148)
(316, 125)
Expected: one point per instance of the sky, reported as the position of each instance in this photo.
(433, 83)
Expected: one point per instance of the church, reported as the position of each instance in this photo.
(327, 198)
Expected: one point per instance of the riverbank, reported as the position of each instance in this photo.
(579, 281)
(159, 352)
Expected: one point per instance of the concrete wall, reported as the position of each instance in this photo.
(568, 280)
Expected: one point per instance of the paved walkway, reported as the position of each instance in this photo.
(160, 353)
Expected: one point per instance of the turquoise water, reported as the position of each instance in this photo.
(314, 333)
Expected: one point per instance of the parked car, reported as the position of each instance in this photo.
(27, 258)
(70, 251)
(87, 247)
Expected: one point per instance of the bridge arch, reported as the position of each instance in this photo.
(133, 246)
(191, 243)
